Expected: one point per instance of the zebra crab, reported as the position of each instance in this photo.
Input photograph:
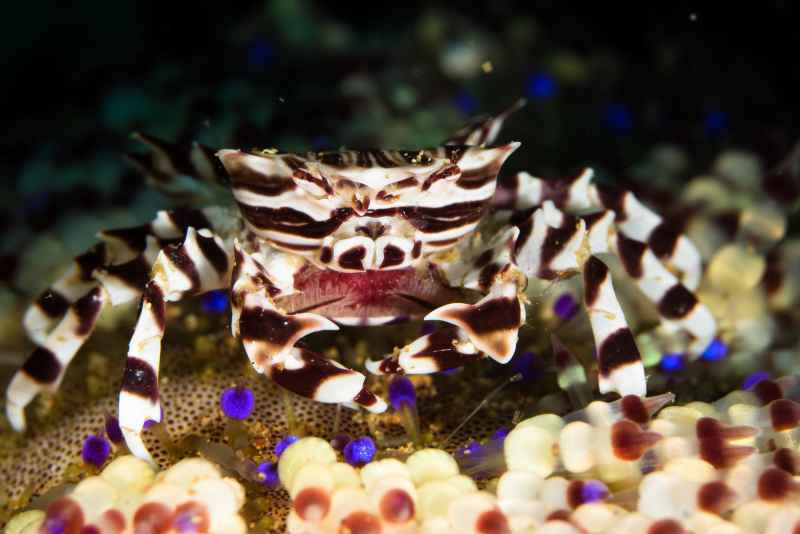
(365, 237)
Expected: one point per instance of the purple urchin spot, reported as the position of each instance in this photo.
(96, 450)
(215, 301)
(237, 402)
(528, 365)
(565, 307)
(113, 431)
(402, 393)
(471, 450)
(267, 474)
(593, 490)
(753, 379)
(360, 451)
(500, 434)
(716, 350)
(283, 444)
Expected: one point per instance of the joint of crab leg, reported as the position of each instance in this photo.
(492, 324)
(447, 348)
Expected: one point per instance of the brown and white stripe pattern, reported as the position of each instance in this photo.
(269, 338)
(492, 324)
(167, 163)
(483, 130)
(678, 307)
(121, 263)
(619, 363)
(549, 243)
(114, 271)
(434, 197)
(45, 367)
(447, 348)
(199, 264)
(578, 194)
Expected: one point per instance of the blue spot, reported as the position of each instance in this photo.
(528, 365)
(716, 123)
(215, 301)
(268, 474)
(237, 402)
(113, 431)
(428, 327)
(500, 434)
(402, 393)
(565, 306)
(469, 451)
(672, 362)
(149, 423)
(95, 450)
(360, 451)
(716, 350)
(283, 444)
(260, 53)
(594, 490)
(755, 378)
(617, 118)
(541, 86)
(465, 102)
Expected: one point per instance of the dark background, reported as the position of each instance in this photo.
(78, 78)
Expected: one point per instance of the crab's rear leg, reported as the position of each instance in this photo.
(198, 264)
(44, 368)
(59, 322)
(121, 262)
(553, 244)
(269, 336)
(577, 194)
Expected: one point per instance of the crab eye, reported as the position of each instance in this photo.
(316, 186)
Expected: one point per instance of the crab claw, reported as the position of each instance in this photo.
(268, 334)
(442, 350)
(311, 375)
(492, 323)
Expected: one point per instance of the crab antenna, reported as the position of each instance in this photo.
(489, 396)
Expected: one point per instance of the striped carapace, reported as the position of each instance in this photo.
(365, 237)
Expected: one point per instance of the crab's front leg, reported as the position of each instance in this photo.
(269, 335)
(487, 328)
(199, 264)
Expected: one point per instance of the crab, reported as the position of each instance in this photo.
(365, 237)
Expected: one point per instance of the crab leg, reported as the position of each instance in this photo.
(678, 306)
(269, 336)
(197, 265)
(44, 368)
(523, 191)
(118, 268)
(171, 168)
(124, 256)
(483, 130)
(551, 245)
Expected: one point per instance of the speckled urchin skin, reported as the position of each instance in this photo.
(200, 360)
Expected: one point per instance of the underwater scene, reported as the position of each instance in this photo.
(494, 268)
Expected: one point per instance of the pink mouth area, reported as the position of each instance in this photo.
(393, 294)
